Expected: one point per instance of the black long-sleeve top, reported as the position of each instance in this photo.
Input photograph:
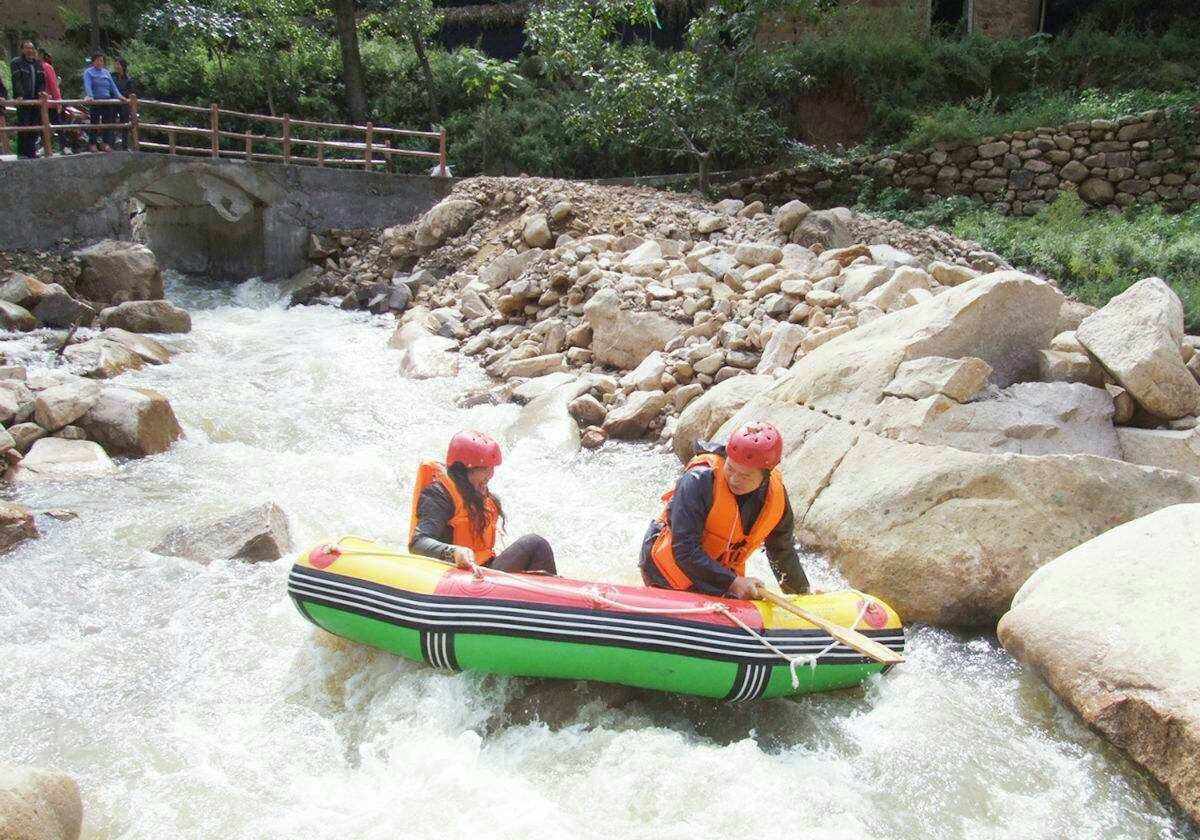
(688, 511)
(28, 78)
(434, 536)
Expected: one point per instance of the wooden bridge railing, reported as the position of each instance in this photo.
(352, 145)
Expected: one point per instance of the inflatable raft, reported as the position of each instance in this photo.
(538, 626)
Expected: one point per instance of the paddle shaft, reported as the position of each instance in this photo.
(851, 638)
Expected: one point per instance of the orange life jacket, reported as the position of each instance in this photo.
(483, 544)
(723, 539)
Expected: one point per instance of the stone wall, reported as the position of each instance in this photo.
(1153, 157)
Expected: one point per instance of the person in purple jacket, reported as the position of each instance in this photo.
(98, 84)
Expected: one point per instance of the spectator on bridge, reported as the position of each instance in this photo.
(128, 86)
(3, 109)
(56, 111)
(29, 82)
(98, 84)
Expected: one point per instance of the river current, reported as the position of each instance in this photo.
(195, 702)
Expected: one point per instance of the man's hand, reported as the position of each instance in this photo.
(745, 588)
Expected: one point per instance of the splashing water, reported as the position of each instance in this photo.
(195, 702)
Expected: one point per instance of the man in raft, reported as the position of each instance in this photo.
(729, 501)
(455, 517)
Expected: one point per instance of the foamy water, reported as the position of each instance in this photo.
(195, 702)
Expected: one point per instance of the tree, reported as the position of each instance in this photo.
(346, 20)
(416, 21)
(94, 15)
(709, 99)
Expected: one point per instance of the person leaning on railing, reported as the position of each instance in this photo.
(29, 82)
(52, 90)
(98, 84)
(127, 85)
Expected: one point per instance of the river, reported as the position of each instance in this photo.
(194, 702)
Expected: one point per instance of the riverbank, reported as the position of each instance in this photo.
(193, 701)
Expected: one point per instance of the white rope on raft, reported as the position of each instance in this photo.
(594, 592)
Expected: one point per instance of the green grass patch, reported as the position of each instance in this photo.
(1094, 255)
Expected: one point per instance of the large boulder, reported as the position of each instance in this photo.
(449, 217)
(707, 413)
(632, 418)
(16, 526)
(61, 405)
(622, 339)
(146, 316)
(114, 272)
(423, 354)
(21, 289)
(16, 318)
(147, 349)
(102, 358)
(1002, 318)
(38, 804)
(253, 535)
(1167, 449)
(947, 536)
(56, 308)
(131, 421)
(1136, 337)
(1029, 418)
(59, 459)
(822, 229)
(1109, 625)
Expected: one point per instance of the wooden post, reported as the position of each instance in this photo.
(287, 139)
(171, 134)
(214, 130)
(133, 122)
(4, 148)
(47, 140)
(249, 142)
(367, 152)
(320, 153)
(442, 152)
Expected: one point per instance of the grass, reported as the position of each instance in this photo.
(1093, 255)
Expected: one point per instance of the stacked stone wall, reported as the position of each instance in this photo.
(1153, 157)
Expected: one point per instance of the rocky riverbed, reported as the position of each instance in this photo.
(937, 455)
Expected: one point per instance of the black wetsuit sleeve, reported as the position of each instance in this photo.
(433, 534)
(689, 511)
(781, 552)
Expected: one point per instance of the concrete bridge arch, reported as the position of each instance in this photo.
(222, 218)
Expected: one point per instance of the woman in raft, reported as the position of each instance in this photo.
(455, 517)
(729, 501)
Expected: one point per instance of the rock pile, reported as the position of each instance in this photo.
(114, 284)
(663, 295)
(1138, 159)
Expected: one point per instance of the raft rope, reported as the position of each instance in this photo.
(594, 592)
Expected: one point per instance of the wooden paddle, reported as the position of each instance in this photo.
(851, 638)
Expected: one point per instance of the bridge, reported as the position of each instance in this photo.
(212, 209)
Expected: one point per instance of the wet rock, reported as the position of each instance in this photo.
(620, 338)
(593, 437)
(115, 272)
(101, 358)
(56, 308)
(21, 289)
(958, 379)
(530, 390)
(55, 459)
(16, 526)
(423, 355)
(633, 418)
(146, 316)
(534, 366)
(147, 349)
(16, 318)
(135, 422)
(1110, 626)
(256, 534)
(587, 410)
(24, 435)
(63, 404)
(38, 804)
(1136, 336)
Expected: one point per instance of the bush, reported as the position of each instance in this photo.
(1096, 255)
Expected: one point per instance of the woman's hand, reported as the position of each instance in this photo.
(464, 558)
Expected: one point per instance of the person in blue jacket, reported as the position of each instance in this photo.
(98, 84)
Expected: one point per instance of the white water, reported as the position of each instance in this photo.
(194, 702)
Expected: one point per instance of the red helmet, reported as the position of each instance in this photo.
(756, 445)
(473, 449)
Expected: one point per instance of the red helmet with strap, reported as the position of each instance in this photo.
(756, 445)
(473, 449)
